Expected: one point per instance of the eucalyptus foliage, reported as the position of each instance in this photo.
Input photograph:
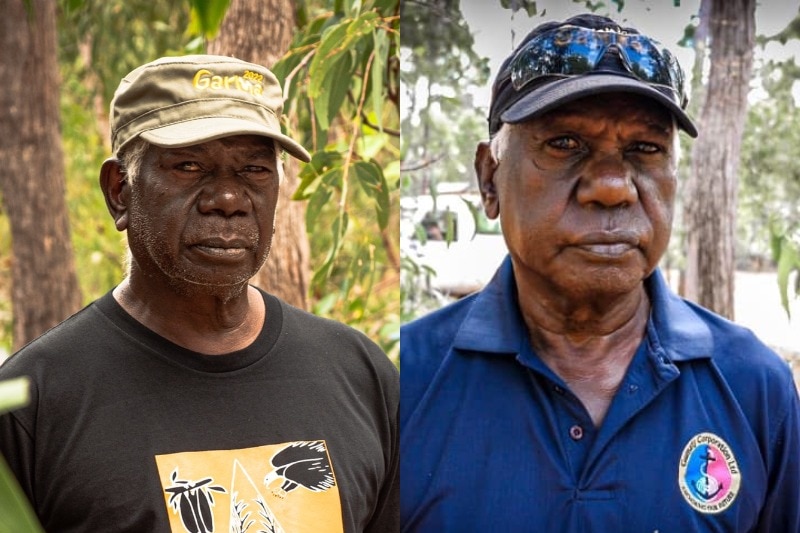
(441, 122)
(769, 188)
(341, 81)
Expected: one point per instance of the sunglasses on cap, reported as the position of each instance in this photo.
(573, 51)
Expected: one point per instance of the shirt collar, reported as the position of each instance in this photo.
(494, 323)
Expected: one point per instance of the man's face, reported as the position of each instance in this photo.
(203, 215)
(585, 194)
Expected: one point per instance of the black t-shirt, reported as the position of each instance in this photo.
(127, 431)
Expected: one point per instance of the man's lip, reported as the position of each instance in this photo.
(224, 243)
(608, 238)
(608, 250)
(608, 243)
(222, 248)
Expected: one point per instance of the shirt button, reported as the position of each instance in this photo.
(558, 390)
(576, 432)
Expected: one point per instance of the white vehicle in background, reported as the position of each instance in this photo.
(451, 235)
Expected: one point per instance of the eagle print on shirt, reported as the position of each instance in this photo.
(279, 488)
(301, 464)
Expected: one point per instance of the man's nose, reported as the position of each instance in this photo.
(224, 194)
(607, 181)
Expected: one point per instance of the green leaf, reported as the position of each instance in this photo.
(16, 515)
(337, 40)
(775, 240)
(383, 206)
(339, 229)
(14, 393)
(301, 13)
(357, 306)
(333, 178)
(371, 143)
(368, 176)
(195, 46)
(74, 5)
(339, 6)
(385, 7)
(207, 16)
(474, 211)
(306, 187)
(372, 180)
(362, 269)
(286, 64)
(515, 5)
(318, 199)
(330, 45)
(362, 26)
(324, 306)
(321, 164)
(788, 261)
(337, 81)
(381, 47)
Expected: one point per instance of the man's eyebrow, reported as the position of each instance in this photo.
(195, 150)
(190, 150)
(266, 151)
(659, 127)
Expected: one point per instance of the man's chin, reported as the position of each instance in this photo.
(605, 282)
(220, 287)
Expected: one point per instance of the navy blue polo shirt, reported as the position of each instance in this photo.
(702, 435)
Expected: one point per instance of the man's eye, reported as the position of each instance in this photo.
(188, 166)
(259, 172)
(255, 168)
(645, 148)
(564, 143)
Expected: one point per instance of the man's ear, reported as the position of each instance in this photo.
(116, 190)
(485, 166)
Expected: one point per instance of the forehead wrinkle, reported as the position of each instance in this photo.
(259, 141)
(594, 120)
(265, 149)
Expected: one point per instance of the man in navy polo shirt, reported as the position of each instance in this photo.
(576, 393)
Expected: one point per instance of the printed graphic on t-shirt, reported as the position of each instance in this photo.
(277, 488)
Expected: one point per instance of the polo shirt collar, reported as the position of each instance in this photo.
(494, 324)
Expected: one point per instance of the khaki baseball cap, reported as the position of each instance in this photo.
(181, 101)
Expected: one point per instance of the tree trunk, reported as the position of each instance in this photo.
(710, 201)
(260, 31)
(44, 284)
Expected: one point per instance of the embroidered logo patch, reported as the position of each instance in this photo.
(708, 474)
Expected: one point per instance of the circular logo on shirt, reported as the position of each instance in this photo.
(708, 474)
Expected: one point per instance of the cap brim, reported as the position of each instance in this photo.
(557, 93)
(207, 129)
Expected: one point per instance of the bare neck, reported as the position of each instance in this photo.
(589, 346)
(205, 323)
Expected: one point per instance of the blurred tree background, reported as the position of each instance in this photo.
(442, 74)
(341, 76)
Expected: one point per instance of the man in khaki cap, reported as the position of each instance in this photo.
(185, 399)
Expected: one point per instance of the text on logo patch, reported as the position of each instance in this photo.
(708, 474)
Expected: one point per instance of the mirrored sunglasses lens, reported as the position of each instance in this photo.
(561, 52)
(575, 51)
(646, 61)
